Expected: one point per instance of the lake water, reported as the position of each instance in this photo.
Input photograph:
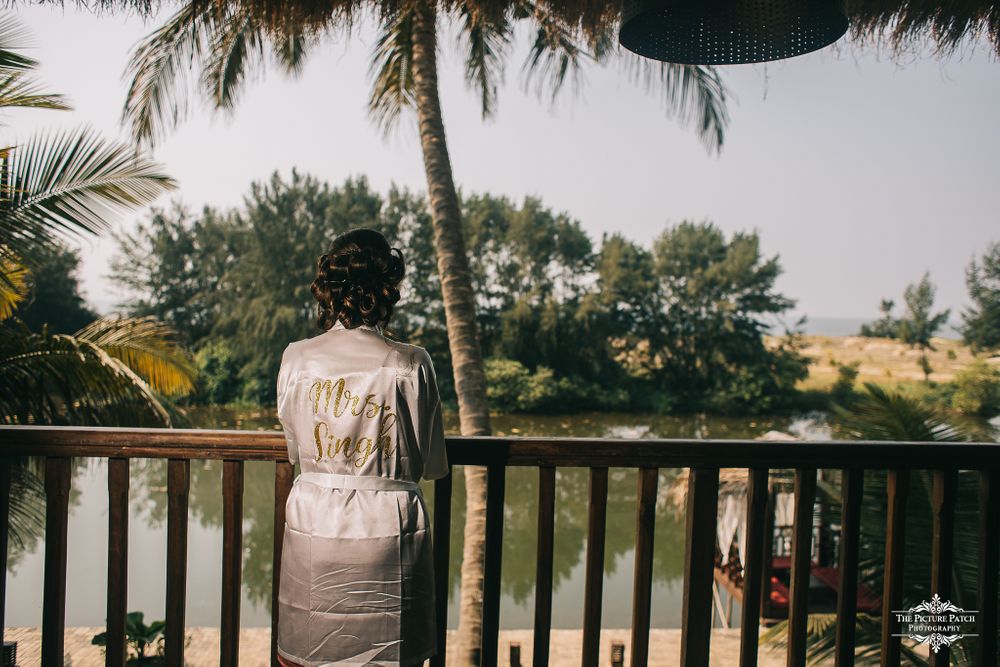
(88, 525)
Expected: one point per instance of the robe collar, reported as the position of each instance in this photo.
(367, 327)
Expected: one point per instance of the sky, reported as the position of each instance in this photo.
(859, 170)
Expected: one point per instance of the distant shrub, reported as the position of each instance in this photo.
(762, 387)
(513, 387)
(842, 390)
(977, 390)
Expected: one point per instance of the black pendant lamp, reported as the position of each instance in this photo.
(726, 32)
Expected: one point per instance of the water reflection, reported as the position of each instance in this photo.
(149, 494)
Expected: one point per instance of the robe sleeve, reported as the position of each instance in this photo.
(432, 445)
(284, 403)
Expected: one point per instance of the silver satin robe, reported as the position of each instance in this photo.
(362, 418)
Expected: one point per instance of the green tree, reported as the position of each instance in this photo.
(919, 325)
(173, 267)
(237, 282)
(981, 321)
(53, 296)
(714, 294)
(886, 326)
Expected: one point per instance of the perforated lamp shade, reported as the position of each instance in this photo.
(724, 32)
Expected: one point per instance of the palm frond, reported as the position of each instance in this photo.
(555, 53)
(392, 71)
(71, 182)
(157, 94)
(59, 379)
(821, 639)
(882, 414)
(488, 39)
(290, 51)
(235, 47)
(13, 283)
(16, 90)
(146, 346)
(14, 37)
(694, 94)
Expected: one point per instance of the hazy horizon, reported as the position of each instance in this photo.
(859, 172)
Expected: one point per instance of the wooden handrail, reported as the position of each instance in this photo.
(703, 457)
(104, 442)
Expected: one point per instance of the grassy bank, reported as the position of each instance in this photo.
(882, 360)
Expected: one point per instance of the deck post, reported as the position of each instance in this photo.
(699, 566)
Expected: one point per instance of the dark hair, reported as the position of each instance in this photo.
(357, 280)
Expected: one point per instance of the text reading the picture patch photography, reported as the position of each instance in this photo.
(936, 623)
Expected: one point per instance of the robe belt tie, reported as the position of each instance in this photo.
(338, 481)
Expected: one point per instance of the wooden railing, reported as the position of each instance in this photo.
(704, 458)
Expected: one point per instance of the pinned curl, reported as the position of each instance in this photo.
(357, 280)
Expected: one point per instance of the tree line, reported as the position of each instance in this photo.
(566, 323)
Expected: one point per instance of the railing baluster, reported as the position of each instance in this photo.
(989, 554)
(495, 487)
(699, 566)
(594, 573)
(118, 482)
(283, 478)
(852, 483)
(897, 487)
(642, 582)
(441, 539)
(178, 486)
(57, 483)
(766, 569)
(798, 599)
(232, 562)
(5, 481)
(543, 565)
(944, 491)
(752, 570)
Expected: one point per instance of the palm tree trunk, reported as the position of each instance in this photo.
(460, 314)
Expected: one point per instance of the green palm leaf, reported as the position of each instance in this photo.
(59, 379)
(694, 94)
(890, 415)
(13, 38)
(554, 53)
(71, 182)
(236, 47)
(391, 71)
(821, 638)
(290, 51)
(488, 40)
(17, 89)
(155, 103)
(146, 346)
(227, 41)
(13, 284)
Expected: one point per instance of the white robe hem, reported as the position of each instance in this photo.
(306, 663)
